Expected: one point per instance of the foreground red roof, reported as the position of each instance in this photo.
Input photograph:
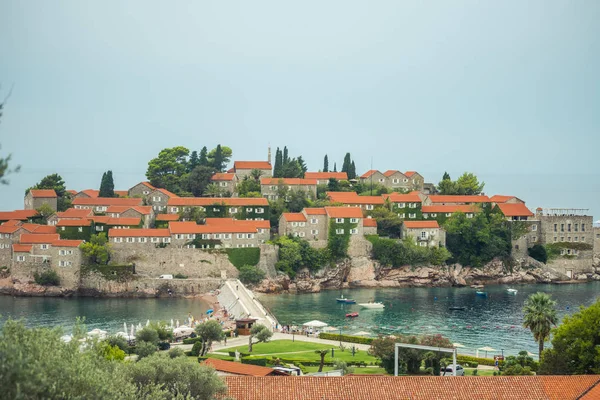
(36, 228)
(420, 224)
(12, 222)
(217, 225)
(251, 165)
(139, 233)
(438, 199)
(514, 210)
(43, 193)
(107, 201)
(74, 222)
(294, 217)
(464, 208)
(22, 248)
(21, 215)
(357, 387)
(344, 212)
(9, 228)
(32, 238)
(287, 181)
(340, 176)
(227, 201)
(144, 210)
(239, 368)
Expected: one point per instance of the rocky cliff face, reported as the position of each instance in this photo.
(362, 272)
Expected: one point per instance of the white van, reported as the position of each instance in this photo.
(166, 277)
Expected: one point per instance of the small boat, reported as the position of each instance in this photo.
(352, 315)
(344, 300)
(454, 308)
(511, 291)
(480, 293)
(477, 286)
(372, 305)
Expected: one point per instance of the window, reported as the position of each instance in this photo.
(339, 220)
(423, 244)
(259, 210)
(448, 214)
(401, 205)
(227, 236)
(423, 235)
(20, 258)
(569, 238)
(118, 240)
(405, 180)
(576, 227)
(534, 228)
(534, 238)
(130, 240)
(167, 240)
(301, 223)
(583, 238)
(7, 235)
(62, 263)
(314, 232)
(62, 228)
(353, 231)
(80, 229)
(301, 234)
(469, 215)
(433, 215)
(44, 247)
(313, 221)
(381, 180)
(354, 220)
(369, 206)
(403, 215)
(2, 246)
(273, 187)
(154, 240)
(223, 184)
(412, 205)
(178, 236)
(562, 238)
(240, 235)
(412, 215)
(174, 209)
(569, 251)
(396, 180)
(582, 227)
(191, 236)
(339, 231)
(294, 224)
(562, 252)
(216, 209)
(249, 209)
(251, 236)
(562, 227)
(568, 227)
(146, 192)
(555, 227)
(555, 239)
(232, 210)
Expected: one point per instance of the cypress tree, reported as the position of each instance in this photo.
(446, 177)
(346, 164)
(334, 167)
(203, 159)
(218, 162)
(103, 189)
(110, 184)
(278, 167)
(285, 156)
(352, 171)
(325, 164)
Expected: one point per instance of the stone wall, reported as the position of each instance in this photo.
(269, 255)
(96, 285)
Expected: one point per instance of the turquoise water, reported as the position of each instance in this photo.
(106, 314)
(495, 321)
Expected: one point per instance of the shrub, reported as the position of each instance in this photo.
(119, 342)
(250, 274)
(192, 340)
(539, 253)
(47, 278)
(475, 372)
(196, 349)
(255, 361)
(245, 256)
(345, 338)
(144, 349)
(164, 346)
(176, 352)
(475, 361)
(147, 334)
(180, 276)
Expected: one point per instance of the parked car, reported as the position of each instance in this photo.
(169, 276)
(449, 370)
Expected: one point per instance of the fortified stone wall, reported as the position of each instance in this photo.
(96, 284)
(269, 255)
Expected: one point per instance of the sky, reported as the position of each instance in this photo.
(509, 90)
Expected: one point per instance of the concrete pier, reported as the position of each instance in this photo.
(240, 302)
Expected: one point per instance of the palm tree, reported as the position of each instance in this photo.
(539, 316)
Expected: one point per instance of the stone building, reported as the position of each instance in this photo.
(324, 177)
(271, 188)
(245, 168)
(425, 233)
(514, 211)
(256, 208)
(453, 200)
(101, 204)
(351, 199)
(158, 199)
(394, 179)
(142, 189)
(369, 226)
(227, 182)
(38, 197)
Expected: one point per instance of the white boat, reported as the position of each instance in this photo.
(511, 291)
(372, 305)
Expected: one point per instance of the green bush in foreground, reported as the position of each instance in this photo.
(251, 274)
(47, 278)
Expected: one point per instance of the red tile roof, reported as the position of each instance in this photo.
(450, 209)
(363, 387)
(22, 248)
(315, 211)
(139, 233)
(287, 181)
(166, 192)
(74, 222)
(368, 173)
(36, 228)
(32, 238)
(21, 215)
(514, 210)
(217, 225)
(503, 199)
(410, 173)
(75, 213)
(593, 393)
(225, 221)
(403, 198)
(294, 217)
(353, 198)
(93, 193)
(420, 224)
(144, 210)
(251, 165)
(369, 222)
(43, 193)
(239, 368)
(107, 201)
(67, 243)
(9, 228)
(12, 222)
(340, 176)
(222, 176)
(133, 221)
(167, 217)
(122, 193)
(391, 172)
(344, 212)
(209, 201)
(437, 199)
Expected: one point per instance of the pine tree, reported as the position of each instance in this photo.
(334, 167)
(278, 168)
(346, 164)
(203, 159)
(218, 162)
(352, 171)
(325, 164)
(446, 176)
(194, 162)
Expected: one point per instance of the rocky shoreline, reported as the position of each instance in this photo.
(362, 272)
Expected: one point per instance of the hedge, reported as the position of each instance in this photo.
(192, 340)
(479, 360)
(244, 256)
(262, 361)
(346, 338)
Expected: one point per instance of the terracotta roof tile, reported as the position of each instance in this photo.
(370, 222)
(122, 193)
(403, 198)
(92, 193)
(391, 172)
(223, 176)
(43, 193)
(251, 165)
(287, 181)
(340, 176)
(409, 173)
(209, 201)
(294, 217)
(32, 238)
(74, 222)
(420, 224)
(353, 198)
(514, 210)
(21, 215)
(36, 228)
(75, 213)
(315, 211)
(107, 201)
(124, 221)
(144, 210)
(167, 217)
(67, 243)
(166, 192)
(368, 173)
(22, 248)
(450, 209)
(9, 228)
(344, 212)
(238, 368)
(12, 222)
(437, 199)
(217, 225)
(498, 198)
(139, 233)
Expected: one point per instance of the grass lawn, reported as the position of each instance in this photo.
(357, 371)
(301, 351)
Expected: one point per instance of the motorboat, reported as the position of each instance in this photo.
(481, 293)
(457, 308)
(372, 305)
(345, 300)
(511, 291)
(352, 315)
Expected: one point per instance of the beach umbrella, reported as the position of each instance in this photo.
(315, 324)
(362, 333)
(486, 349)
(209, 311)
(140, 326)
(457, 345)
(125, 327)
(172, 325)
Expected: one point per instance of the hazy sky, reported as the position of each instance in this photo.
(507, 89)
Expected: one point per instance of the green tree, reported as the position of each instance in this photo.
(575, 344)
(278, 167)
(198, 180)
(203, 160)
(539, 315)
(45, 211)
(259, 332)
(224, 157)
(325, 164)
(47, 278)
(107, 185)
(538, 252)
(214, 190)
(334, 167)
(292, 169)
(519, 365)
(55, 182)
(352, 171)
(322, 354)
(251, 274)
(285, 158)
(144, 349)
(192, 214)
(297, 201)
(342, 366)
(97, 250)
(468, 184)
(248, 187)
(333, 185)
(302, 165)
(218, 159)
(147, 334)
(193, 162)
(347, 163)
(166, 170)
(208, 332)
